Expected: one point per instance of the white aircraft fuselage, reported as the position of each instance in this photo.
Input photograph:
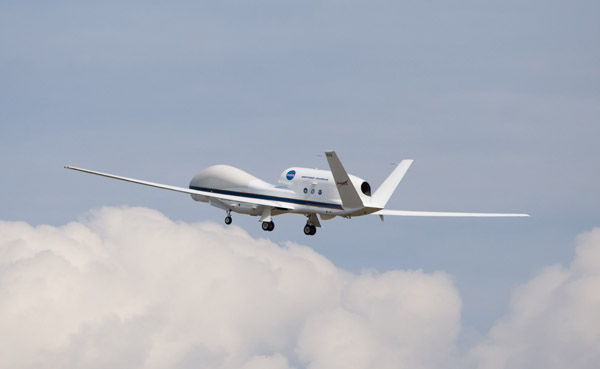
(317, 194)
(307, 190)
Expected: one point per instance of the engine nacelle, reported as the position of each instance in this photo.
(365, 188)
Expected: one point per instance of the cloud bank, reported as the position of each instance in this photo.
(127, 287)
(554, 320)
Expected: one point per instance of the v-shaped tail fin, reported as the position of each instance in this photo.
(350, 197)
(387, 188)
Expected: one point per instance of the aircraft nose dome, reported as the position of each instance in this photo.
(222, 176)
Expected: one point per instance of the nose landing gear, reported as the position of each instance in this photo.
(228, 219)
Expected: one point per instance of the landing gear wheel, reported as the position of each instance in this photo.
(268, 226)
(310, 230)
(228, 220)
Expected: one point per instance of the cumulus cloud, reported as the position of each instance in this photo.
(554, 320)
(127, 287)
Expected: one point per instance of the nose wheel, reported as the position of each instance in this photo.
(228, 219)
(310, 230)
(268, 226)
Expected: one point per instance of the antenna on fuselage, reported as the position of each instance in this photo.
(321, 156)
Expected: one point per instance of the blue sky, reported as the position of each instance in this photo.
(497, 103)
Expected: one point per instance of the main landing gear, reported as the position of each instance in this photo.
(268, 226)
(310, 229)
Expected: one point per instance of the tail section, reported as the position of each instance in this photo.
(348, 194)
(387, 188)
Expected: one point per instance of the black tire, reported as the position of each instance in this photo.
(271, 226)
(228, 220)
(313, 230)
(307, 230)
(266, 226)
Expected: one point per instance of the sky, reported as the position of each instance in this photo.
(497, 103)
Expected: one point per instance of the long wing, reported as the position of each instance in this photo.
(275, 204)
(409, 213)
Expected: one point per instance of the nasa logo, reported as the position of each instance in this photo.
(290, 175)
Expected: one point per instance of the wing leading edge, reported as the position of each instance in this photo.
(409, 213)
(212, 195)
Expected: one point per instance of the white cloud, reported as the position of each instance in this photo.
(554, 320)
(127, 287)
(407, 318)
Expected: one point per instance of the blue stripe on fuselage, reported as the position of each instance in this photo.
(267, 197)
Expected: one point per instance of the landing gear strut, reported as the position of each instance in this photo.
(310, 229)
(268, 226)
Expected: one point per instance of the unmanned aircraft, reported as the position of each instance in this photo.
(323, 194)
